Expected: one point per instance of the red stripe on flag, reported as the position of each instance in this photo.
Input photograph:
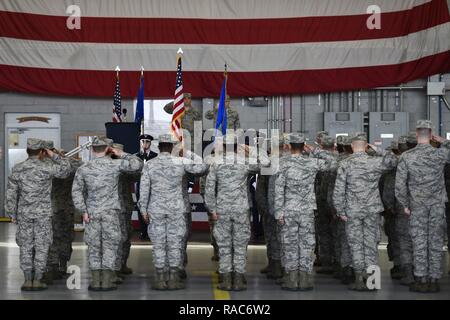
(218, 31)
(204, 84)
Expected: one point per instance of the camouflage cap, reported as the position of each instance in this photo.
(402, 140)
(167, 138)
(359, 137)
(48, 144)
(321, 134)
(35, 144)
(327, 141)
(295, 138)
(187, 95)
(118, 146)
(412, 138)
(98, 142)
(394, 145)
(347, 141)
(424, 124)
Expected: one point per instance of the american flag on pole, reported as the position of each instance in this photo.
(178, 103)
(117, 109)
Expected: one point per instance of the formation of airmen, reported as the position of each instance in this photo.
(319, 200)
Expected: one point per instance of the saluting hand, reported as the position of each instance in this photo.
(49, 152)
(437, 138)
(86, 217)
(117, 152)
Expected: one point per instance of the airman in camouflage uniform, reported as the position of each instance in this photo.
(317, 183)
(294, 209)
(95, 193)
(447, 207)
(28, 203)
(387, 190)
(226, 196)
(232, 115)
(163, 205)
(190, 115)
(326, 218)
(343, 253)
(402, 229)
(127, 206)
(265, 199)
(62, 221)
(420, 189)
(357, 201)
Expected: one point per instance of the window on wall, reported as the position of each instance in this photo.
(156, 120)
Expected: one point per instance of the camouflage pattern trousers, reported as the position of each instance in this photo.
(272, 237)
(212, 223)
(343, 253)
(123, 251)
(363, 235)
(390, 229)
(63, 235)
(167, 233)
(34, 237)
(298, 241)
(102, 236)
(447, 213)
(325, 234)
(187, 234)
(404, 238)
(232, 232)
(427, 226)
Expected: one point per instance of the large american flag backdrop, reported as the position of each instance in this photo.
(271, 47)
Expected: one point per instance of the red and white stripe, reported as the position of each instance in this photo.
(270, 47)
(178, 111)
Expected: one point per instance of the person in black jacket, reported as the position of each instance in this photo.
(145, 154)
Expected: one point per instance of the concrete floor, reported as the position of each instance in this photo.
(201, 278)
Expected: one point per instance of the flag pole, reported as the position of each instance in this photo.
(140, 82)
(179, 55)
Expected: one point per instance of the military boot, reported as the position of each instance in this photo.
(277, 270)
(125, 270)
(54, 269)
(291, 283)
(266, 269)
(408, 275)
(348, 276)
(38, 285)
(63, 269)
(284, 278)
(28, 284)
(338, 273)
(183, 274)
(160, 281)
(419, 285)
(433, 286)
(305, 282)
(117, 278)
(359, 284)
(397, 272)
(226, 282)
(47, 278)
(95, 284)
(239, 282)
(325, 268)
(107, 280)
(270, 266)
(174, 282)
